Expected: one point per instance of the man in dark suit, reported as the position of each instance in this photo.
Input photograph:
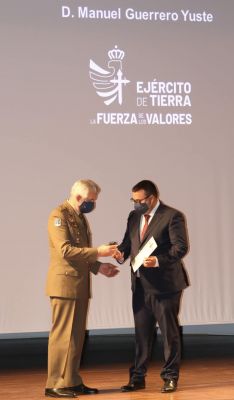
(158, 284)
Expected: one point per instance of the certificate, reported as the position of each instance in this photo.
(145, 252)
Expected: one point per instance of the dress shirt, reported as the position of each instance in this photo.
(142, 223)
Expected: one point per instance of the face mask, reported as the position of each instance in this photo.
(87, 207)
(141, 208)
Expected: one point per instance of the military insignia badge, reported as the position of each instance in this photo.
(57, 222)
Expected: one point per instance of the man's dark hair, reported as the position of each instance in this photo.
(148, 186)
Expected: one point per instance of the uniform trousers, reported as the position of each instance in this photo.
(66, 341)
(149, 309)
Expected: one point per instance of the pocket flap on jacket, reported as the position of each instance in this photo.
(68, 273)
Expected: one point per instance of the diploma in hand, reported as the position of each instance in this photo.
(145, 252)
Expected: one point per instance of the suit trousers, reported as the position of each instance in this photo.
(66, 341)
(149, 309)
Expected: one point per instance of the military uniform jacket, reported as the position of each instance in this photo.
(71, 255)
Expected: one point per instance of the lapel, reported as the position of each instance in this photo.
(154, 224)
(77, 223)
(88, 230)
(136, 230)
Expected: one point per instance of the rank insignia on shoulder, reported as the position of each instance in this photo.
(57, 222)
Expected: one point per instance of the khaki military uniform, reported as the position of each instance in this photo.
(68, 285)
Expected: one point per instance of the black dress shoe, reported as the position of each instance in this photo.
(169, 386)
(61, 393)
(82, 389)
(134, 385)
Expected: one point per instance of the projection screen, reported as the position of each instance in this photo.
(116, 91)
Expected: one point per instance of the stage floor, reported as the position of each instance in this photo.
(201, 379)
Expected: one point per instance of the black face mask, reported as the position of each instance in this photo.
(141, 208)
(87, 207)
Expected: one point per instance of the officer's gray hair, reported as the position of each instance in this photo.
(84, 186)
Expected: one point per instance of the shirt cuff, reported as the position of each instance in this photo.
(156, 263)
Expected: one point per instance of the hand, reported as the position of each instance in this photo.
(108, 270)
(119, 256)
(107, 250)
(150, 262)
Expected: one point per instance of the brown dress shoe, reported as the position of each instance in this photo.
(170, 385)
(60, 393)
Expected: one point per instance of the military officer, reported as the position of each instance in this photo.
(72, 258)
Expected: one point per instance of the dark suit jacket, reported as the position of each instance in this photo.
(168, 228)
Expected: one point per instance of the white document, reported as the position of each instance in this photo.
(145, 252)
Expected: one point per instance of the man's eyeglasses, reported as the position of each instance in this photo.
(140, 201)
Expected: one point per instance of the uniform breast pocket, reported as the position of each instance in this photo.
(69, 273)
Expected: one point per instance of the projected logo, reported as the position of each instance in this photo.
(154, 102)
(109, 82)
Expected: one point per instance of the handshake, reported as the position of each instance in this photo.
(109, 250)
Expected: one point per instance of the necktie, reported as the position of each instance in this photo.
(147, 217)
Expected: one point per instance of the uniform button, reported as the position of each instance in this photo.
(66, 273)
